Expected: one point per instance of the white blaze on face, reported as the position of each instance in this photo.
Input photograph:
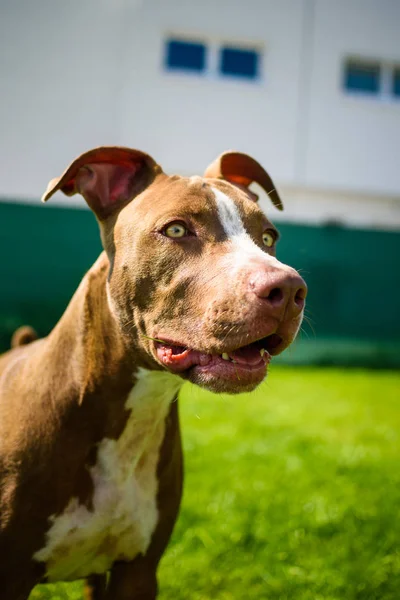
(244, 249)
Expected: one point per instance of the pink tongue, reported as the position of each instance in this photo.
(179, 358)
(249, 355)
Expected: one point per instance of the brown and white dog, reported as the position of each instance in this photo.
(188, 288)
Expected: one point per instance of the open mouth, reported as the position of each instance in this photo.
(247, 364)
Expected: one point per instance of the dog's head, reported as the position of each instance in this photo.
(193, 281)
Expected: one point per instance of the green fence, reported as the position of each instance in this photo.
(353, 278)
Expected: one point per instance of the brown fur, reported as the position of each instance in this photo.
(60, 396)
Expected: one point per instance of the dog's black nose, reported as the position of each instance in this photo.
(283, 290)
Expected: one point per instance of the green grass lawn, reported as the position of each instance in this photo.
(291, 492)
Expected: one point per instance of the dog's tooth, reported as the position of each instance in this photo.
(262, 351)
(225, 356)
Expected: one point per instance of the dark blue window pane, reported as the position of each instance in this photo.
(362, 77)
(396, 83)
(240, 63)
(187, 56)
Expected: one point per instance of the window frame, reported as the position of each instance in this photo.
(256, 50)
(362, 65)
(181, 69)
(213, 50)
(387, 70)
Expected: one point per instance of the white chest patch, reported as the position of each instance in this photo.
(81, 541)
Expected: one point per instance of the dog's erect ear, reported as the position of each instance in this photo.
(241, 170)
(107, 177)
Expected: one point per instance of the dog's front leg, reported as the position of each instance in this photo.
(136, 580)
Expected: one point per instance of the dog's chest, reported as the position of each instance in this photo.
(124, 512)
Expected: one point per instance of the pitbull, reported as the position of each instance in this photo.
(188, 288)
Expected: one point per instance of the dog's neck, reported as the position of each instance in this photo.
(99, 354)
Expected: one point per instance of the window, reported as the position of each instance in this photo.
(182, 55)
(239, 62)
(212, 58)
(362, 76)
(375, 78)
(396, 82)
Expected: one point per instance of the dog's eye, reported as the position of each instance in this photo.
(268, 238)
(175, 230)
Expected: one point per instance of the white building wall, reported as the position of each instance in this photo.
(57, 87)
(83, 73)
(351, 142)
(192, 118)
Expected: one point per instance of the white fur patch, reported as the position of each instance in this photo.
(244, 247)
(81, 542)
(229, 215)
